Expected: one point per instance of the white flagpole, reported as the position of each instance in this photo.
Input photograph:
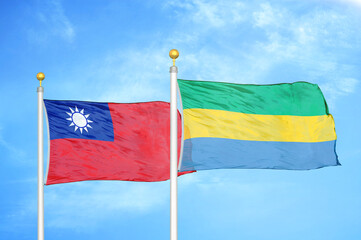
(173, 148)
(40, 76)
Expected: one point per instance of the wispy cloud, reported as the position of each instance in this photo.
(52, 21)
(356, 3)
(314, 43)
(136, 75)
(209, 13)
(267, 16)
(83, 206)
(96, 201)
(309, 41)
(338, 87)
(222, 187)
(10, 149)
(270, 43)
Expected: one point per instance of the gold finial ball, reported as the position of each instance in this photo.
(173, 53)
(40, 76)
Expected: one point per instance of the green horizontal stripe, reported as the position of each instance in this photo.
(297, 99)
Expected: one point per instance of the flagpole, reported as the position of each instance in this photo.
(173, 148)
(40, 76)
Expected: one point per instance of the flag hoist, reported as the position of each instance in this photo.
(40, 76)
(173, 147)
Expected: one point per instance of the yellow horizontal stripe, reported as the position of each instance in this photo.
(254, 127)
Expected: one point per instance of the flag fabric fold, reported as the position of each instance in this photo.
(280, 126)
(108, 141)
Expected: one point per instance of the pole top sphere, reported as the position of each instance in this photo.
(173, 54)
(40, 76)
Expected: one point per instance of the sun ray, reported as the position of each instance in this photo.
(69, 114)
(72, 111)
(76, 128)
(71, 124)
(70, 119)
(85, 129)
(82, 111)
(86, 116)
(81, 130)
(76, 109)
(88, 126)
(90, 121)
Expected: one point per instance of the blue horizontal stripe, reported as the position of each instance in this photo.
(216, 153)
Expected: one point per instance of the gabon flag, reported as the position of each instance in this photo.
(109, 141)
(277, 126)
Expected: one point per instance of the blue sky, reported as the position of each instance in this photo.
(118, 51)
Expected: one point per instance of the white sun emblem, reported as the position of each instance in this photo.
(79, 120)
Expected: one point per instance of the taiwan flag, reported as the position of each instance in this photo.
(109, 141)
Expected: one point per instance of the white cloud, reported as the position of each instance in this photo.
(13, 151)
(53, 22)
(210, 13)
(134, 75)
(313, 43)
(348, 85)
(352, 2)
(85, 204)
(267, 16)
(82, 206)
(338, 87)
(309, 42)
(221, 186)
